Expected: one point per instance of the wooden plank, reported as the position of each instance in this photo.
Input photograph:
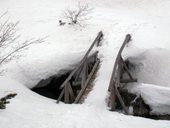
(99, 40)
(127, 39)
(84, 74)
(83, 60)
(112, 83)
(121, 101)
(66, 94)
(60, 97)
(87, 82)
(72, 97)
(118, 73)
(112, 96)
(126, 68)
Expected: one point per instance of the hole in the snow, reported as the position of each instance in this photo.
(136, 101)
(137, 106)
(51, 87)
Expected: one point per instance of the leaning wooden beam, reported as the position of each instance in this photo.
(100, 34)
(99, 40)
(66, 93)
(72, 97)
(86, 83)
(112, 81)
(60, 97)
(84, 74)
(112, 96)
(81, 68)
(118, 73)
(126, 68)
(127, 39)
(121, 101)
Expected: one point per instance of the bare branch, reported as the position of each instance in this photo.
(10, 46)
(24, 45)
(78, 15)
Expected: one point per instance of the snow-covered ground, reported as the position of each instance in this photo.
(146, 20)
(30, 110)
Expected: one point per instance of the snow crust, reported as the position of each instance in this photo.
(146, 20)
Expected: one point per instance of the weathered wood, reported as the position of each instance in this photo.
(99, 39)
(128, 80)
(112, 80)
(100, 34)
(66, 94)
(88, 66)
(121, 101)
(127, 39)
(72, 97)
(114, 91)
(60, 97)
(126, 68)
(112, 96)
(84, 74)
(86, 83)
(118, 74)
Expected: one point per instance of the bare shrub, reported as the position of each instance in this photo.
(77, 15)
(10, 46)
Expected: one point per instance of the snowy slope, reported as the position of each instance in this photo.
(116, 18)
(147, 20)
(29, 110)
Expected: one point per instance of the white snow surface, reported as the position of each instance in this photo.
(30, 110)
(151, 65)
(147, 21)
(157, 97)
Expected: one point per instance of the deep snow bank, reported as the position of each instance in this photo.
(150, 66)
(30, 110)
(146, 20)
(65, 46)
(155, 96)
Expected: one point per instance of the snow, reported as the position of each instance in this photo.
(59, 51)
(146, 20)
(157, 97)
(151, 65)
(29, 109)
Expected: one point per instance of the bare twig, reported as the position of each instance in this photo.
(24, 45)
(78, 15)
(10, 46)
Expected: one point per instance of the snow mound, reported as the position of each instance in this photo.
(155, 96)
(151, 66)
(30, 110)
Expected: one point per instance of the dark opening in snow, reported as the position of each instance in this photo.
(50, 87)
(135, 103)
(138, 106)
